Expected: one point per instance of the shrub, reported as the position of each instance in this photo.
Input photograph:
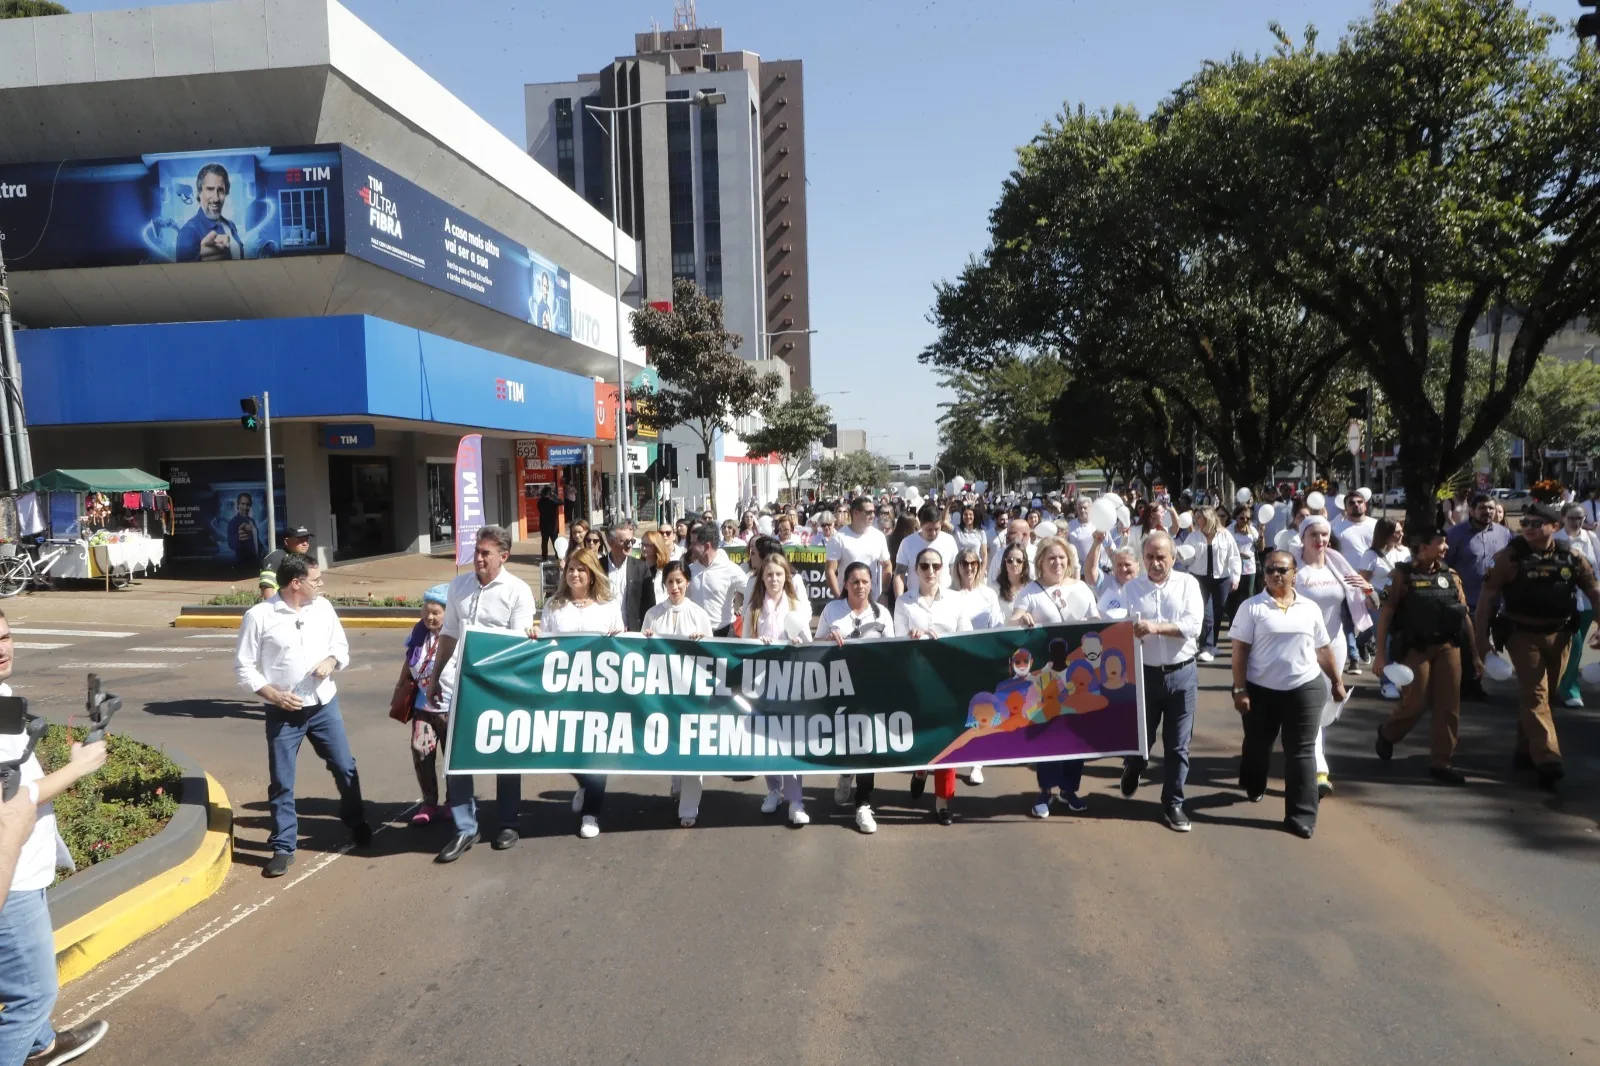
(130, 799)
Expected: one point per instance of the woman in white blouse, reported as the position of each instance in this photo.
(1216, 566)
(969, 535)
(1582, 542)
(583, 604)
(856, 617)
(934, 611)
(1015, 574)
(1056, 597)
(983, 608)
(679, 616)
(776, 614)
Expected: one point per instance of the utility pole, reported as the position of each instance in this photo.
(266, 431)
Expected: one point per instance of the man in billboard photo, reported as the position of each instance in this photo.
(208, 237)
(243, 535)
(542, 304)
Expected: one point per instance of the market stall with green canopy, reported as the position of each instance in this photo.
(102, 517)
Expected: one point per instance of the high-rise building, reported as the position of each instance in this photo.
(716, 194)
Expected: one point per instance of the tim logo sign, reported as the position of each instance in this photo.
(509, 390)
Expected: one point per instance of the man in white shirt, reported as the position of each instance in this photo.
(29, 847)
(929, 535)
(1017, 532)
(288, 649)
(1355, 530)
(860, 542)
(493, 598)
(715, 578)
(1170, 613)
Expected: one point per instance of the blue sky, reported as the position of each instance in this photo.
(914, 113)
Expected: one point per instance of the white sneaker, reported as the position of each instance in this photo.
(589, 828)
(773, 801)
(976, 776)
(577, 800)
(687, 823)
(1574, 701)
(865, 821)
(1041, 809)
(843, 788)
(1206, 657)
(1388, 691)
(798, 815)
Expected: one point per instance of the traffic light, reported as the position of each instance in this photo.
(667, 458)
(830, 439)
(1357, 409)
(248, 419)
(1589, 25)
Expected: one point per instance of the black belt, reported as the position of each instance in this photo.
(1172, 668)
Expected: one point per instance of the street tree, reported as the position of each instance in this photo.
(790, 430)
(839, 473)
(703, 384)
(1439, 167)
(22, 9)
(1557, 409)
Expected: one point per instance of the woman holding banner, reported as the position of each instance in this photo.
(583, 604)
(1056, 597)
(856, 617)
(679, 616)
(1327, 579)
(931, 612)
(1015, 575)
(775, 612)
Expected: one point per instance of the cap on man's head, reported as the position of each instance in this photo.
(1544, 512)
(269, 580)
(297, 531)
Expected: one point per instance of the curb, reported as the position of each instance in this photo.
(224, 621)
(85, 942)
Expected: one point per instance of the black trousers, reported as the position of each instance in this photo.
(594, 793)
(1296, 714)
(1214, 595)
(864, 783)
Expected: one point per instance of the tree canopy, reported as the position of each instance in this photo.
(791, 428)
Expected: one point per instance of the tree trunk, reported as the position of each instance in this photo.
(707, 435)
(1420, 453)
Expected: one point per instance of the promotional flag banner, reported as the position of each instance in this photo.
(469, 496)
(656, 705)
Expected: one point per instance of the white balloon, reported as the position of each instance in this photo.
(795, 626)
(1185, 553)
(1316, 501)
(1123, 516)
(1103, 515)
(1364, 492)
(1338, 502)
(1286, 540)
(1042, 530)
(1399, 674)
(1185, 520)
(1113, 613)
(1264, 515)
(959, 482)
(1116, 501)
(1591, 673)
(1497, 668)
(1243, 496)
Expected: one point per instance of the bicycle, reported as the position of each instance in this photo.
(19, 569)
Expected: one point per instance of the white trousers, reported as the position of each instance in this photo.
(1340, 656)
(789, 785)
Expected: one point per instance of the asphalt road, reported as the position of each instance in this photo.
(1421, 925)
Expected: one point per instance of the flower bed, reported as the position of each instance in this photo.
(249, 597)
(130, 799)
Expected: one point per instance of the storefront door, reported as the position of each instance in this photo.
(360, 491)
(441, 504)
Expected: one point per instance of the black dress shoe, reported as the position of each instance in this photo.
(1521, 760)
(919, 785)
(1549, 774)
(1385, 747)
(506, 838)
(1447, 775)
(362, 835)
(1130, 780)
(945, 815)
(278, 865)
(457, 847)
(1299, 830)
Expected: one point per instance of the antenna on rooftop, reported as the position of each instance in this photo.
(683, 17)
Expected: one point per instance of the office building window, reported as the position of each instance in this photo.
(711, 200)
(680, 185)
(596, 158)
(566, 157)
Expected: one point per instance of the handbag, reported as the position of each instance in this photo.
(403, 700)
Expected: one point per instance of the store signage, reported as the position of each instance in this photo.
(528, 448)
(469, 496)
(506, 389)
(638, 458)
(565, 454)
(349, 435)
(605, 411)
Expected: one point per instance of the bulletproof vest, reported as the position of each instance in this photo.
(1544, 583)
(1430, 612)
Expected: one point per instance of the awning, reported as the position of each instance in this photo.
(126, 479)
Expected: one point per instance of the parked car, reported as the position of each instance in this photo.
(1516, 499)
(1395, 497)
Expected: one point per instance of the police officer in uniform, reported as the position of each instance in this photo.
(1424, 624)
(1535, 577)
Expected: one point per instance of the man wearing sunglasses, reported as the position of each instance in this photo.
(1536, 577)
(630, 576)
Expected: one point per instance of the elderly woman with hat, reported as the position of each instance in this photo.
(1327, 579)
(428, 726)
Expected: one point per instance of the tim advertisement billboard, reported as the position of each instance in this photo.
(219, 510)
(173, 207)
(393, 223)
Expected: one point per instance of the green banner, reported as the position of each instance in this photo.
(657, 705)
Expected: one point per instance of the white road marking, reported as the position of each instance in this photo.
(32, 646)
(214, 636)
(160, 651)
(115, 666)
(30, 631)
(164, 960)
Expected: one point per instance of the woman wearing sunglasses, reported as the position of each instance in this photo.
(1326, 578)
(1283, 666)
(1582, 542)
(930, 612)
(1014, 575)
(1055, 597)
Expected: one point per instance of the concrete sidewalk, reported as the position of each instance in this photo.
(156, 600)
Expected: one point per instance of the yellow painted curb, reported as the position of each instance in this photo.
(86, 943)
(225, 621)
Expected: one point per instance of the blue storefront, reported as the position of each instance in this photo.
(366, 414)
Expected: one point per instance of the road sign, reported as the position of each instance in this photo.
(1353, 437)
(638, 458)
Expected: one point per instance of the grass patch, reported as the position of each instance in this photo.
(248, 598)
(130, 799)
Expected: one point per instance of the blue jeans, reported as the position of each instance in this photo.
(463, 802)
(325, 729)
(1067, 775)
(1169, 702)
(27, 976)
(1214, 594)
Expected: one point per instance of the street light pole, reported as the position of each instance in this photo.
(703, 99)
